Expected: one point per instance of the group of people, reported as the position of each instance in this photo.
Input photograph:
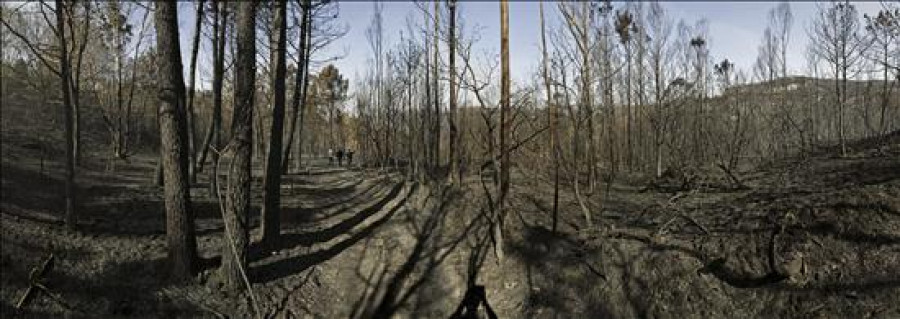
(340, 154)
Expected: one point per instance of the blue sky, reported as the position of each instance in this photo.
(735, 29)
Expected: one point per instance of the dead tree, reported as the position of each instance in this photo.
(552, 119)
(835, 38)
(455, 172)
(660, 28)
(301, 83)
(192, 116)
(182, 245)
(578, 27)
(436, 102)
(69, 92)
(271, 212)
(76, 76)
(213, 138)
(884, 30)
(503, 185)
(65, 86)
(237, 198)
(625, 28)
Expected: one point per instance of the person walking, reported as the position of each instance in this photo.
(340, 156)
(349, 157)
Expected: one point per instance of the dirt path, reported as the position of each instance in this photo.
(113, 265)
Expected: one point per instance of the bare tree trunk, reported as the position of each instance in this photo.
(305, 89)
(425, 131)
(214, 133)
(131, 88)
(66, 86)
(191, 115)
(76, 85)
(411, 156)
(118, 137)
(641, 57)
(182, 247)
(552, 118)
(237, 199)
(299, 97)
(454, 135)
(271, 212)
(629, 147)
(504, 128)
(842, 98)
(436, 124)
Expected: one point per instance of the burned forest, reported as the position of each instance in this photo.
(449, 159)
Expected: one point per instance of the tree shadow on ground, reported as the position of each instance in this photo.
(320, 189)
(101, 209)
(32, 191)
(291, 240)
(332, 207)
(120, 289)
(144, 217)
(387, 294)
(556, 272)
(124, 289)
(269, 271)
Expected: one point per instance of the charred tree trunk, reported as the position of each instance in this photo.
(237, 199)
(182, 247)
(425, 131)
(76, 83)
(455, 172)
(192, 116)
(305, 90)
(271, 212)
(436, 124)
(66, 85)
(214, 134)
(552, 118)
(504, 128)
(298, 101)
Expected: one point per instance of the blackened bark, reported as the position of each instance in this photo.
(237, 199)
(436, 103)
(504, 127)
(192, 116)
(552, 119)
(455, 173)
(182, 247)
(298, 100)
(271, 212)
(65, 85)
(214, 133)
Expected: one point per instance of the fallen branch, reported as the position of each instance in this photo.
(34, 279)
(734, 180)
(677, 196)
(686, 217)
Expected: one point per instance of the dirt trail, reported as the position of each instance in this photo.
(113, 265)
